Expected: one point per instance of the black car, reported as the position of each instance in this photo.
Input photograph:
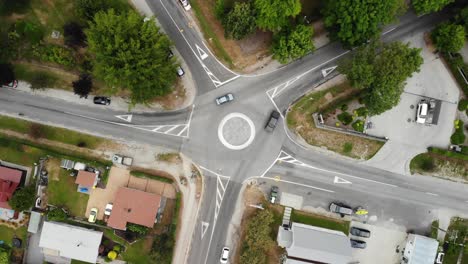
(273, 121)
(102, 100)
(360, 232)
(357, 243)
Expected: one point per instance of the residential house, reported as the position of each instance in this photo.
(10, 180)
(86, 181)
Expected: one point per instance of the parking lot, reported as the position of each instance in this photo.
(406, 137)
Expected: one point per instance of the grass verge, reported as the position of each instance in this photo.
(320, 221)
(441, 163)
(300, 121)
(141, 174)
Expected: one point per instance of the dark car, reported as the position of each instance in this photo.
(273, 194)
(272, 121)
(102, 100)
(357, 243)
(360, 232)
(341, 209)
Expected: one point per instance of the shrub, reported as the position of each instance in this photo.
(42, 80)
(73, 34)
(36, 130)
(463, 105)
(112, 255)
(344, 107)
(345, 118)
(358, 125)
(449, 37)
(142, 230)
(29, 31)
(361, 111)
(53, 53)
(458, 137)
(427, 163)
(57, 214)
(220, 9)
(347, 147)
(117, 248)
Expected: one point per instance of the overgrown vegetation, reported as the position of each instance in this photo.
(449, 37)
(443, 163)
(142, 174)
(257, 240)
(454, 238)
(458, 137)
(23, 198)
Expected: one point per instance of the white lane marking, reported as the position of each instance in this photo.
(204, 228)
(327, 71)
(304, 185)
(201, 52)
(170, 129)
(432, 194)
(212, 77)
(190, 120)
(182, 131)
(289, 159)
(271, 165)
(278, 89)
(388, 31)
(341, 180)
(127, 118)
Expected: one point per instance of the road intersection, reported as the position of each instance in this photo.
(195, 132)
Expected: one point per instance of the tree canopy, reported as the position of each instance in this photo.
(132, 54)
(293, 44)
(23, 198)
(258, 239)
(428, 6)
(355, 22)
(240, 21)
(83, 85)
(383, 74)
(86, 9)
(73, 34)
(7, 74)
(449, 37)
(275, 14)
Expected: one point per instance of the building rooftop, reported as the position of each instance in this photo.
(9, 181)
(133, 206)
(70, 241)
(420, 250)
(86, 178)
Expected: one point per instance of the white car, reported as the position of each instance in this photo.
(185, 4)
(224, 255)
(421, 113)
(108, 209)
(180, 71)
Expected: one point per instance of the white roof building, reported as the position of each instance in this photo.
(61, 242)
(420, 250)
(305, 243)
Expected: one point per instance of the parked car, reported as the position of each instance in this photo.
(180, 71)
(185, 4)
(440, 258)
(12, 84)
(224, 255)
(421, 113)
(272, 121)
(358, 243)
(108, 209)
(341, 209)
(359, 232)
(93, 215)
(273, 194)
(102, 100)
(224, 99)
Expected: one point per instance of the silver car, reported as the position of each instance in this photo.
(224, 99)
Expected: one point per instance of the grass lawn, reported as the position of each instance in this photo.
(20, 154)
(138, 252)
(53, 133)
(320, 221)
(441, 163)
(62, 192)
(7, 234)
(300, 121)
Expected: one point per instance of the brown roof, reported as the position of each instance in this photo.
(133, 206)
(86, 178)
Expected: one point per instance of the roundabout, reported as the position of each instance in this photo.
(236, 131)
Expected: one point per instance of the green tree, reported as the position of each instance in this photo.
(449, 37)
(23, 198)
(428, 6)
(240, 21)
(275, 14)
(57, 214)
(86, 9)
(462, 18)
(383, 74)
(293, 44)
(131, 54)
(220, 9)
(4, 257)
(355, 22)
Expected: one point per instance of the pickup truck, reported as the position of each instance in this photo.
(119, 159)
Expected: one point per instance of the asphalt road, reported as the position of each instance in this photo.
(194, 132)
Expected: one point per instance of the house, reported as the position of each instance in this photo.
(10, 179)
(133, 206)
(86, 181)
(420, 250)
(61, 243)
(310, 244)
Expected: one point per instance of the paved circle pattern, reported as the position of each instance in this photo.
(236, 131)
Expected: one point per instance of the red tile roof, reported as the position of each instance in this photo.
(9, 181)
(85, 178)
(133, 206)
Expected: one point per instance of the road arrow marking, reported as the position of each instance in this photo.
(341, 180)
(127, 118)
(202, 53)
(327, 71)
(204, 228)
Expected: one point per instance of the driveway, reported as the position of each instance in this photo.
(406, 137)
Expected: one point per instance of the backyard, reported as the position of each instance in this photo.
(300, 121)
(456, 236)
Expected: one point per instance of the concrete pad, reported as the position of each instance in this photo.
(291, 200)
(381, 245)
(137, 183)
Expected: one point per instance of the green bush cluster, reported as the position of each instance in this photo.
(463, 105)
(54, 53)
(142, 230)
(358, 125)
(361, 111)
(458, 137)
(57, 214)
(345, 118)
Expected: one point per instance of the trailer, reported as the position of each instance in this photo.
(119, 159)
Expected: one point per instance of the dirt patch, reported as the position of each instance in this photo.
(169, 157)
(244, 52)
(173, 100)
(53, 168)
